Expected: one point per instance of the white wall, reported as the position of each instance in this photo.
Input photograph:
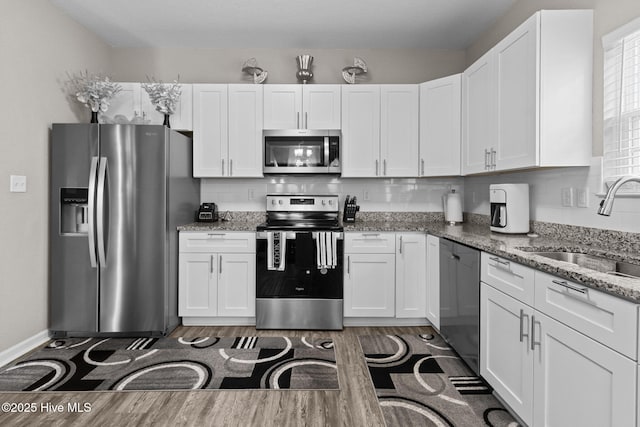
(545, 197)
(374, 195)
(39, 45)
(225, 65)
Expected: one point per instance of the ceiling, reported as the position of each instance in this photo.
(331, 24)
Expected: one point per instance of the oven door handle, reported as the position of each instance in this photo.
(291, 235)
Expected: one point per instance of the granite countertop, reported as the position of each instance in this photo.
(516, 247)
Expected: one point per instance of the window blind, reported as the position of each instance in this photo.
(621, 105)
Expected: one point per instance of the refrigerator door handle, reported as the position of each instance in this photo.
(92, 210)
(100, 214)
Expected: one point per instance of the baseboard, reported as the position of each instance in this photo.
(219, 321)
(22, 348)
(348, 321)
(384, 321)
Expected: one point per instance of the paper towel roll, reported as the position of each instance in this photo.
(453, 207)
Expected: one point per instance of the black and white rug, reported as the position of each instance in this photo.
(83, 364)
(420, 380)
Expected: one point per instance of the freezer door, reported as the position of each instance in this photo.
(131, 228)
(74, 282)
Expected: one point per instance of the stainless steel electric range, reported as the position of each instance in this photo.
(299, 264)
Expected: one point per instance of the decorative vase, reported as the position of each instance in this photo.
(94, 117)
(166, 121)
(304, 73)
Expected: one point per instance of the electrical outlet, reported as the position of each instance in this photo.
(18, 184)
(568, 198)
(582, 197)
(250, 194)
(365, 195)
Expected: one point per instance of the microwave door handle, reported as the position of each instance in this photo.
(326, 151)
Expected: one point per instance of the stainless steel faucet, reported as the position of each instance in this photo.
(607, 203)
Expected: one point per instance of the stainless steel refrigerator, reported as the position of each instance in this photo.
(117, 194)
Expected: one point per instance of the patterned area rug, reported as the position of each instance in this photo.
(420, 380)
(78, 364)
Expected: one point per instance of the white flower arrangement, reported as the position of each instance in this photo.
(164, 96)
(93, 90)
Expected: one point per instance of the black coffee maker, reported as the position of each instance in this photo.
(208, 212)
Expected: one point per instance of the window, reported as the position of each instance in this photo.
(621, 126)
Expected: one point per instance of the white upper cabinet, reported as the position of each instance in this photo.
(302, 106)
(527, 102)
(227, 135)
(478, 114)
(245, 130)
(360, 130)
(440, 103)
(399, 130)
(134, 101)
(380, 131)
(210, 130)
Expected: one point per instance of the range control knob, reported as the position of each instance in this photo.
(324, 202)
(273, 201)
(330, 202)
(280, 202)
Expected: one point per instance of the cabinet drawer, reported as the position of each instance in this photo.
(370, 243)
(513, 279)
(214, 241)
(607, 319)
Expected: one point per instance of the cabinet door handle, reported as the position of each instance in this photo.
(211, 265)
(220, 264)
(486, 159)
(365, 235)
(499, 261)
(306, 120)
(522, 333)
(533, 333)
(568, 286)
(230, 167)
(384, 165)
(298, 120)
(493, 158)
(222, 162)
(400, 245)
(376, 167)
(422, 166)
(348, 265)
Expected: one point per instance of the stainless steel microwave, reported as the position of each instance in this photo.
(301, 151)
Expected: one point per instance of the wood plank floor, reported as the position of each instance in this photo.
(355, 404)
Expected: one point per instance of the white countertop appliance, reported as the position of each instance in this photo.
(509, 208)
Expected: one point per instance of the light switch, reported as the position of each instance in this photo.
(582, 197)
(18, 184)
(567, 197)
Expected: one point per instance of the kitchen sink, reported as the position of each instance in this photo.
(594, 262)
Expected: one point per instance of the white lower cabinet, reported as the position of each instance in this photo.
(506, 359)
(411, 275)
(433, 281)
(197, 279)
(369, 285)
(578, 381)
(216, 274)
(549, 373)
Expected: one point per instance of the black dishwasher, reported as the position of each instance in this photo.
(460, 300)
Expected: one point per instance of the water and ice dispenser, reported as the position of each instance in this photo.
(509, 208)
(74, 211)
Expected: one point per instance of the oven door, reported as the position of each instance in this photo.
(301, 277)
